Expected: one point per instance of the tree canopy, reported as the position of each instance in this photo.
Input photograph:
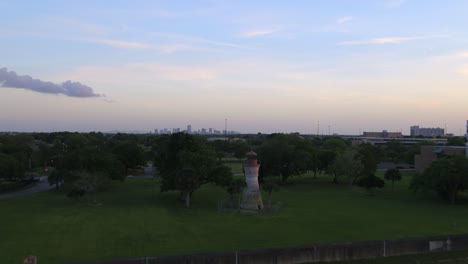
(284, 155)
(185, 163)
(447, 175)
(392, 175)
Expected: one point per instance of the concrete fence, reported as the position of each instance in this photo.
(314, 253)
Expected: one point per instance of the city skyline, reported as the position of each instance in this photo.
(265, 66)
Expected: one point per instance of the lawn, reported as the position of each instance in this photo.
(236, 167)
(135, 219)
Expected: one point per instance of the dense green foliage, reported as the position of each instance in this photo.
(370, 182)
(284, 155)
(456, 141)
(346, 165)
(447, 175)
(392, 175)
(186, 162)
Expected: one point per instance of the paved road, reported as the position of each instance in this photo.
(41, 186)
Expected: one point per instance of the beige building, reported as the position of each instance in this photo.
(430, 153)
(383, 134)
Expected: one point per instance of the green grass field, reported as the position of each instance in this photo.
(236, 167)
(135, 219)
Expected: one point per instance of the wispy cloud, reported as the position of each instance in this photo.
(344, 20)
(386, 40)
(120, 43)
(394, 3)
(258, 33)
(195, 40)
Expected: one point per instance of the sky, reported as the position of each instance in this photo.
(266, 66)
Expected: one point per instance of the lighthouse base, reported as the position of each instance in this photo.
(252, 200)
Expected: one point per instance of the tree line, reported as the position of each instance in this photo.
(86, 162)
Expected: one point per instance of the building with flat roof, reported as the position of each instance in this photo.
(430, 153)
(427, 131)
(383, 134)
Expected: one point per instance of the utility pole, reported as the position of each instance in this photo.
(225, 129)
(318, 127)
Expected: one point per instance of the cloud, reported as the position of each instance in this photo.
(196, 40)
(394, 3)
(258, 33)
(120, 43)
(171, 48)
(74, 89)
(344, 20)
(386, 40)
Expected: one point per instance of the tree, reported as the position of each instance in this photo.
(80, 161)
(370, 182)
(19, 148)
(369, 156)
(90, 182)
(347, 165)
(447, 175)
(456, 141)
(10, 168)
(392, 175)
(234, 187)
(394, 150)
(56, 177)
(329, 150)
(284, 155)
(270, 185)
(185, 163)
(45, 155)
(129, 154)
(240, 147)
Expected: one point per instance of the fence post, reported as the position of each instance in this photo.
(315, 254)
(30, 260)
(384, 248)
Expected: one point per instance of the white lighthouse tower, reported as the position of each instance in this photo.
(252, 197)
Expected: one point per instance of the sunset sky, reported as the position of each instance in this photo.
(266, 66)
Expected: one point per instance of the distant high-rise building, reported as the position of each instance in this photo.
(210, 130)
(383, 134)
(189, 129)
(427, 132)
(156, 131)
(203, 130)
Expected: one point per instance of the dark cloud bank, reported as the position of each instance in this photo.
(75, 89)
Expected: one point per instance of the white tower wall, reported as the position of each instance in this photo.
(252, 196)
